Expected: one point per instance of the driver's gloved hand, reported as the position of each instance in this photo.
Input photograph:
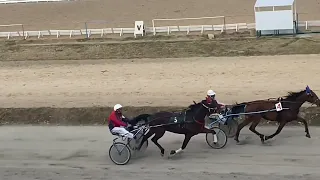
(129, 127)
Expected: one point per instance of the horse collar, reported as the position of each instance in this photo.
(209, 108)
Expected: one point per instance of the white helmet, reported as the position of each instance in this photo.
(211, 93)
(117, 106)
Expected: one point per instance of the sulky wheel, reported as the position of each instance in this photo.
(119, 153)
(222, 138)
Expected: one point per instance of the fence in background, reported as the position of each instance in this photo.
(222, 20)
(28, 1)
(149, 30)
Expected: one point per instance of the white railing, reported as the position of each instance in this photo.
(308, 24)
(28, 1)
(149, 30)
(121, 31)
(221, 18)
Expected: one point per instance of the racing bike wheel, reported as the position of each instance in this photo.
(119, 153)
(222, 138)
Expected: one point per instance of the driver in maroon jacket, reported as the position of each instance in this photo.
(118, 123)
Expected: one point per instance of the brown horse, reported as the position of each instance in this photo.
(256, 110)
(189, 122)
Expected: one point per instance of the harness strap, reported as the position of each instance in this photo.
(199, 122)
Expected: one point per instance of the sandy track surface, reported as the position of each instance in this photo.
(154, 82)
(82, 153)
(123, 13)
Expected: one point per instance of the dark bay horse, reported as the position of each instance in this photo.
(190, 123)
(293, 101)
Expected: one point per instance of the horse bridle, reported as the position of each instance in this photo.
(315, 101)
(209, 108)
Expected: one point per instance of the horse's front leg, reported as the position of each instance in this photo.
(215, 138)
(186, 140)
(281, 125)
(300, 119)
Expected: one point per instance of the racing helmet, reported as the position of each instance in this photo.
(211, 93)
(116, 107)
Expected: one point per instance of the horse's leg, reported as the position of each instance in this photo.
(156, 137)
(300, 119)
(253, 126)
(186, 140)
(281, 125)
(215, 138)
(241, 125)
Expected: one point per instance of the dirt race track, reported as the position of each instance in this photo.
(81, 81)
(73, 153)
(154, 82)
(81, 152)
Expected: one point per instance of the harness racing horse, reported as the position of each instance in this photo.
(290, 105)
(190, 123)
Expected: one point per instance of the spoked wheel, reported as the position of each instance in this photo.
(119, 153)
(230, 128)
(222, 138)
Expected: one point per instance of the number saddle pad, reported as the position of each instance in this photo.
(180, 118)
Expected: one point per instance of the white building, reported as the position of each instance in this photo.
(275, 17)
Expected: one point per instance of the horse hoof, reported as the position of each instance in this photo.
(173, 152)
(263, 138)
(162, 153)
(308, 136)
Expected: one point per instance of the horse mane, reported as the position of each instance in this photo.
(192, 106)
(238, 104)
(293, 95)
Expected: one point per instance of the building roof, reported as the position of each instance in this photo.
(265, 3)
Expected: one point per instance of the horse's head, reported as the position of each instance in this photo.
(311, 96)
(306, 95)
(202, 108)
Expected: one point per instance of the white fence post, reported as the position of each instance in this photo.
(306, 25)
(102, 32)
(154, 30)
